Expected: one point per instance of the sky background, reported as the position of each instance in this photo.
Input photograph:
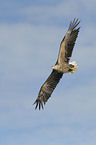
(30, 36)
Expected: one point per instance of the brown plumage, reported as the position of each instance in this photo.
(62, 65)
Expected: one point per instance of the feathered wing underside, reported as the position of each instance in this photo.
(47, 88)
(68, 42)
(66, 48)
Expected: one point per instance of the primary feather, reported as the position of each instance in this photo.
(47, 88)
(62, 65)
(68, 42)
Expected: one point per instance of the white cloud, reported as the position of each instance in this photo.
(63, 11)
(27, 53)
(25, 46)
(22, 43)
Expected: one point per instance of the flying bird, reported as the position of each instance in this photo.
(62, 65)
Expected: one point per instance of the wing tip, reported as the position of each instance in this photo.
(38, 103)
(74, 23)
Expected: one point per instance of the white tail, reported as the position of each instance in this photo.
(75, 66)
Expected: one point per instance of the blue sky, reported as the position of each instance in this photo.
(30, 36)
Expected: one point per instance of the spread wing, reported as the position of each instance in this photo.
(68, 42)
(47, 88)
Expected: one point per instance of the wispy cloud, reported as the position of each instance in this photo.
(59, 13)
(29, 46)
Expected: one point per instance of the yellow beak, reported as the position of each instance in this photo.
(52, 67)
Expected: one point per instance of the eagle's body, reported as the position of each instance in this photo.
(62, 65)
